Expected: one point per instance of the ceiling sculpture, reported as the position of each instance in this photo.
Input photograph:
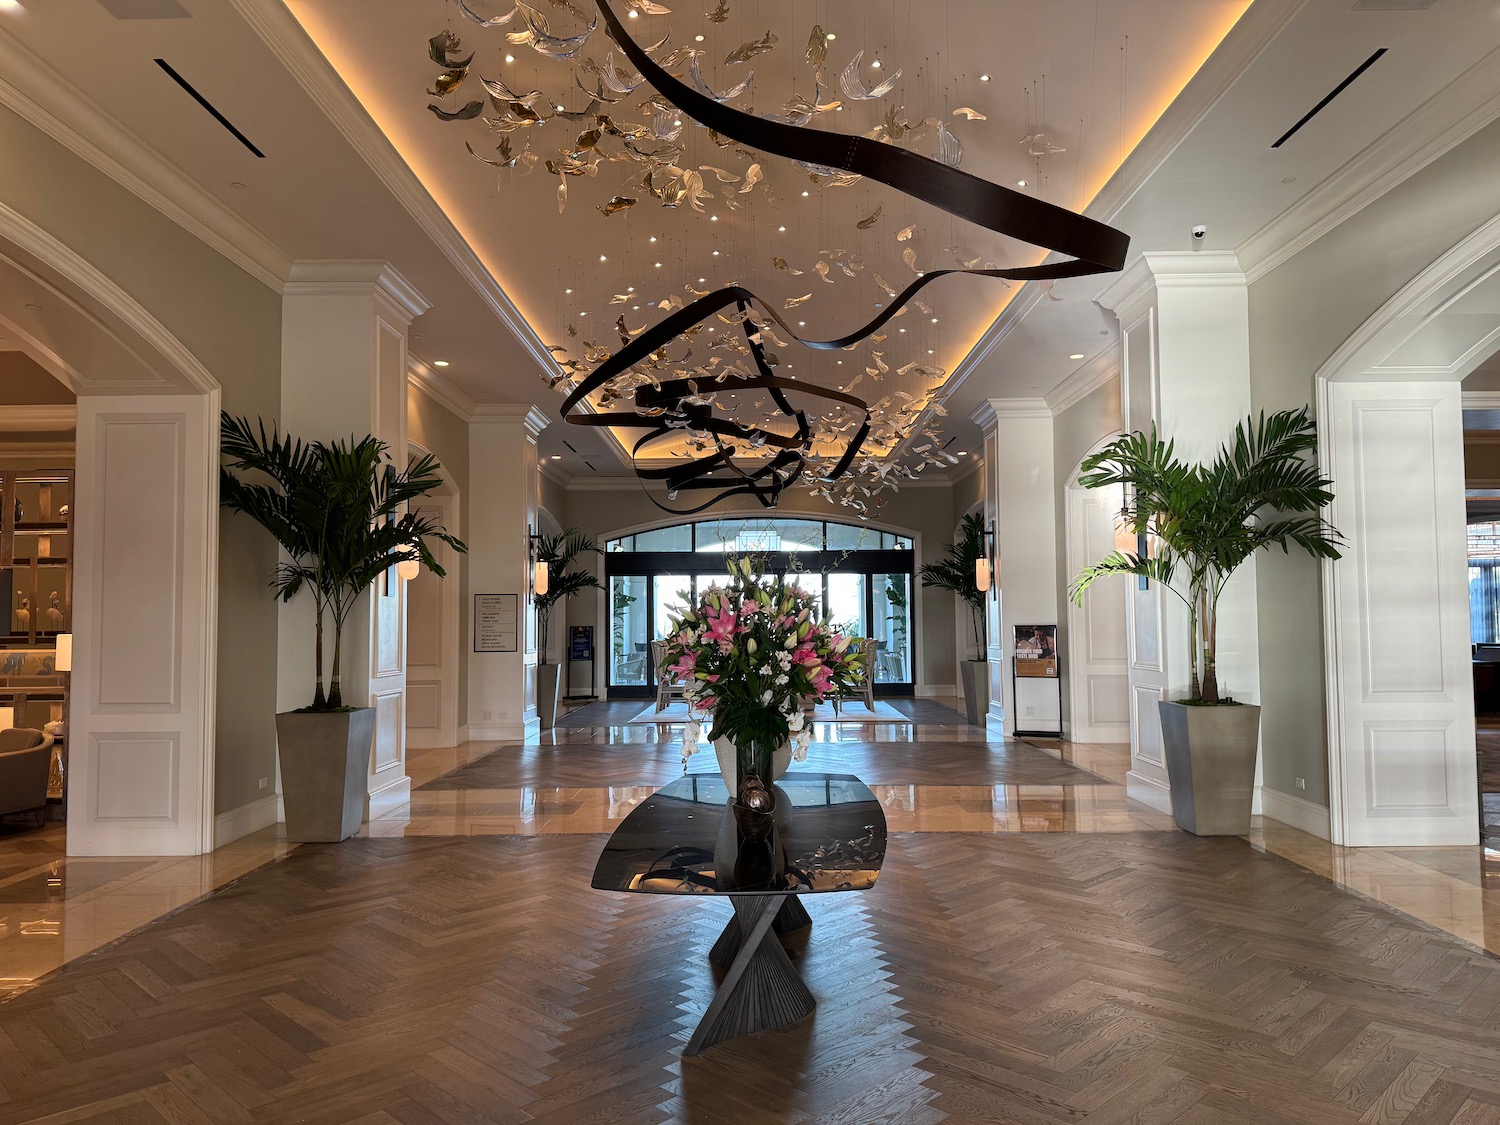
(714, 408)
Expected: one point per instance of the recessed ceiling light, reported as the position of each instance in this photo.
(630, 289)
(510, 58)
(713, 218)
(963, 452)
(567, 290)
(1020, 183)
(841, 363)
(585, 312)
(1076, 355)
(232, 183)
(602, 258)
(876, 64)
(702, 280)
(782, 229)
(558, 107)
(902, 330)
(634, 14)
(678, 123)
(440, 363)
(830, 37)
(984, 78)
(653, 238)
(716, 253)
(557, 457)
(802, 324)
(929, 351)
(635, 308)
(804, 195)
(1288, 179)
(697, 39)
(658, 265)
(934, 320)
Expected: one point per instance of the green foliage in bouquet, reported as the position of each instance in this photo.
(751, 652)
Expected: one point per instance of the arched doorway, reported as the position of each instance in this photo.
(140, 734)
(862, 573)
(1398, 665)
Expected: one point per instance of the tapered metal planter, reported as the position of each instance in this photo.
(548, 684)
(976, 679)
(325, 767)
(1211, 765)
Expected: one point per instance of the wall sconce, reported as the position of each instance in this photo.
(63, 662)
(538, 566)
(984, 567)
(409, 567)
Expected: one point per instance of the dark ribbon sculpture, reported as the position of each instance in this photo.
(678, 405)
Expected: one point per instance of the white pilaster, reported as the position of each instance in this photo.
(504, 494)
(1018, 461)
(343, 375)
(1185, 368)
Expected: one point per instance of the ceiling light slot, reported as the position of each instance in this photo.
(208, 105)
(1335, 92)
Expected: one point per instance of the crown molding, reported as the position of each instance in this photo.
(556, 475)
(1481, 400)
(48, 101)
(1447, 119)
(38, 454)
(355, 277)
(1020, 408)
(1093, 374)
(440, 389)
(42, 418)
(503, 413)
(280, 31)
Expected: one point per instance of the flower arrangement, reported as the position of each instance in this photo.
(751, 652)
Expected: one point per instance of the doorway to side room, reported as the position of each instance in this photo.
(434, 630)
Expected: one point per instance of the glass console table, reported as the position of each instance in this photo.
(829, 835)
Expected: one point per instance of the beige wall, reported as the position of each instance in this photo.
(232, 324)
(1299, 315)
(926, 511)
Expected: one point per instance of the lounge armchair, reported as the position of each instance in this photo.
(25, 759)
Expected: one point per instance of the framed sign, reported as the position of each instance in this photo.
(1036, 652)
(497, 622)
(581, 642)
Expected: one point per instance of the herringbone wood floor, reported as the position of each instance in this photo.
(1024, 979)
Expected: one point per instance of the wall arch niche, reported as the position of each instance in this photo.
(865, 573)
(145, 524)
(1398, 673)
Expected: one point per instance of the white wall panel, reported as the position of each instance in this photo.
(1401, 706)
(146, 517)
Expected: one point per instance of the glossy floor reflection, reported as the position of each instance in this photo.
(935, 775)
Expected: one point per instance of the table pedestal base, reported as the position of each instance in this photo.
(761, 989)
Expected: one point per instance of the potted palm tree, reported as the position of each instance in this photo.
(956, 573)
(341, 513)
(559, 552)
(1201, 523)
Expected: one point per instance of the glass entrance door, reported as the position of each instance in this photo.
(627, 631)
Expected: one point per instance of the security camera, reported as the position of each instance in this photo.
(1199, 233)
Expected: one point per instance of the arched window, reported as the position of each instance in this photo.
(864, 575)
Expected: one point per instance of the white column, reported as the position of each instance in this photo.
(1185, 329)
(1018, 461)
(504, 494)
(140, 738)
(343, 375)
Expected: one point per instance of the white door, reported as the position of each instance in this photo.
(432, 643)
(1098, 679)
(140, 738)
(1400, 685)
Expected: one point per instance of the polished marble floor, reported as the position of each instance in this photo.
(934, 775)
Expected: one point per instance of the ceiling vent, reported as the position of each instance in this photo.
(144, 9)
(1392, 5)
(206, 104)
(1335, 92)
